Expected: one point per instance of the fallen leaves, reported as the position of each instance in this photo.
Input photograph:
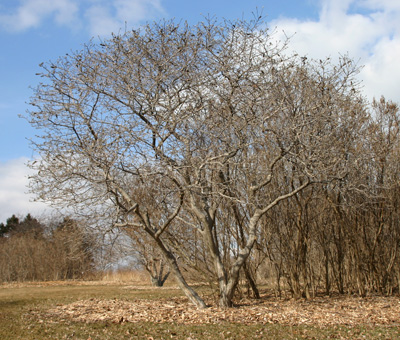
(319, 311)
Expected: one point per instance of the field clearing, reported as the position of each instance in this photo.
(132, 310)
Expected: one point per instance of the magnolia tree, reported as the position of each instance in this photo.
(178, 130)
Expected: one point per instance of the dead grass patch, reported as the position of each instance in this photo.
(126, 275)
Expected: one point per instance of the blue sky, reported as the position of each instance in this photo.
(33, 31)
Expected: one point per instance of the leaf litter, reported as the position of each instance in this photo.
(320, 311)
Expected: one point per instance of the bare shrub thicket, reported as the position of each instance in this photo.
(212, 145)
(31, 251)
(344, 236)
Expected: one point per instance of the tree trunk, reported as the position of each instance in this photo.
(157, 275)
(327, 280)
(225, 298)
(251, 282)
(188, 291)
(158, 281)
(227, 290)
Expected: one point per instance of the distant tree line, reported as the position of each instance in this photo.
(33, 251)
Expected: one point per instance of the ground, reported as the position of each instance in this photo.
(321, 311)
(121, 310)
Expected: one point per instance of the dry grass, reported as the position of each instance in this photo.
(93, 310)
(126, 276)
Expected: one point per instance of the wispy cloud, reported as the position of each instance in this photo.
(97, 17)
(381, 4)
(32, 13)
(13, 190)
(110, 16)
(368, 30)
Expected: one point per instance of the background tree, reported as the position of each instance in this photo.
(204, 128)
(27, 225)
(74, 250)
(11, 223)
(35, 251)
(338, 236)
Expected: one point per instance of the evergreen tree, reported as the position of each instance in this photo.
(11, 224)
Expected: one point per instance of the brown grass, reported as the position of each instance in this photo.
(126, 275)
(93, 310)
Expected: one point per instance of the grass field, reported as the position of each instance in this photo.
(24, 314)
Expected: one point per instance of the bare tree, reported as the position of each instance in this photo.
(33, 250)
(142, 247)
(174, 127)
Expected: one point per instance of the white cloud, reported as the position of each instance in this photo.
(101, 21)
(99, 17)
(381, 4)
(381, 74)
(13, 191)
(368, 30)
(31, 13)
(105, 16)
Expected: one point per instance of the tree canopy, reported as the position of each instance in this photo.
(192, 134)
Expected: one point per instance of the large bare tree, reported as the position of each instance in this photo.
(173, 129)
